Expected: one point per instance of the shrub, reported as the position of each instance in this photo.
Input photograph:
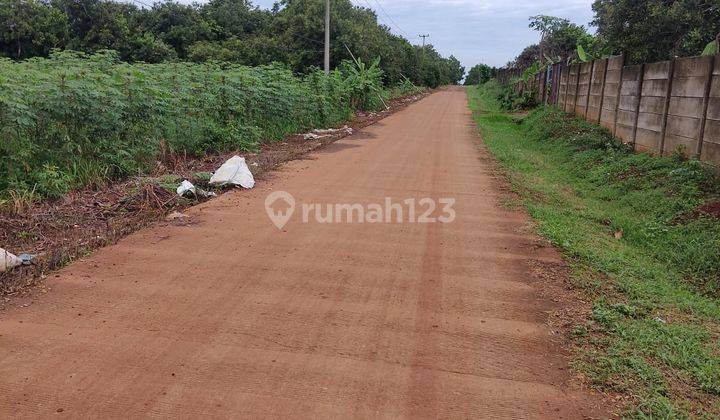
(512, 99)
(75, 119)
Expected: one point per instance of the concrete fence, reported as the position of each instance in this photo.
(659, 108)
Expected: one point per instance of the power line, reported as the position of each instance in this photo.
(144, 4)
(390, 18)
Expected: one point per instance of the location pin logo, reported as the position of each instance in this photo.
(280, 206)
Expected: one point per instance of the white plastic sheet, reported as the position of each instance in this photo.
(8, 261)
(187, 187)
(234, 172)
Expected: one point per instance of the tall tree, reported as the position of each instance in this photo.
(479, 74)
(559, 38)
(653, 30)
(178, 25)
(31, 28)
(456, 70)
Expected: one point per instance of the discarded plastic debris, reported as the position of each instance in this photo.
(320, 133)
(235, 171)
(8, 261)
(27, 259)
(313, 136)
(175, 216)
(331, 131)
(187, 187)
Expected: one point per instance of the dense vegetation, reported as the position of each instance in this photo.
(646, 31)
(479, 74)
(642, 234)
(73, 120)
(92, 90)
(656, 30)
(221, 30)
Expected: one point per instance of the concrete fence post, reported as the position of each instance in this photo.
(706, 100)
(557, 90)
(666, 107)
(577, 88)
(567, 87)
(602, 90)
(641, 77)
(590, 81)
(623, 60)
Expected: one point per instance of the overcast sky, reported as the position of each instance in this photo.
(475, 31)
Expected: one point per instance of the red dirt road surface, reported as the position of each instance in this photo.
(229, 316)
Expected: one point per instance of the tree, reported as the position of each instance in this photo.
(150, 49)
(98, 25)
(559, 38)
(479, 74)
(31, 28)
(456, 70)
(222, 30)
(236, 18)
(656, 30)
(527, 57)
(178, 25)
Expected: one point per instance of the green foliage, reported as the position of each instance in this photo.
(405, 88)
(220, 30)
(656, 30)
(582, 55)
(711, 48)
(480, 74)
(526, 58)
(559, 37)
(653, 330)
(73, 120)
(30, 27)
(364, 83)
(455, 69)
(511, 98)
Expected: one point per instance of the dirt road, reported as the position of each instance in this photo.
(230, 316)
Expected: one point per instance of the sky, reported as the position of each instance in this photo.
(492, 32)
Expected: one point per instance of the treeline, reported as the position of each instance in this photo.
(233, 31)
(480, 74)
(647, 31)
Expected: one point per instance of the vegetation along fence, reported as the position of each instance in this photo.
(659, 108)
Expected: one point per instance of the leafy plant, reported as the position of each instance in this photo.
(711, 48)
(512, 99)
(582, 55)
(364, 83)
(75, 119)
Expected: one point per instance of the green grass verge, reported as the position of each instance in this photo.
(639, 248)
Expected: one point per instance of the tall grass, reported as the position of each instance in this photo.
(73, 120)
(641, 251)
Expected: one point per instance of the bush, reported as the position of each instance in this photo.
(71, 119)
(511, 98)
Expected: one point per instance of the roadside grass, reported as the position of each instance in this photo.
(639, 248)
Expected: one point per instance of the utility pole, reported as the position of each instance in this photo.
(423, 37)
(422, 56)
(327, 36)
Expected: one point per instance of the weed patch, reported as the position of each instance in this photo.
(642, 232)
